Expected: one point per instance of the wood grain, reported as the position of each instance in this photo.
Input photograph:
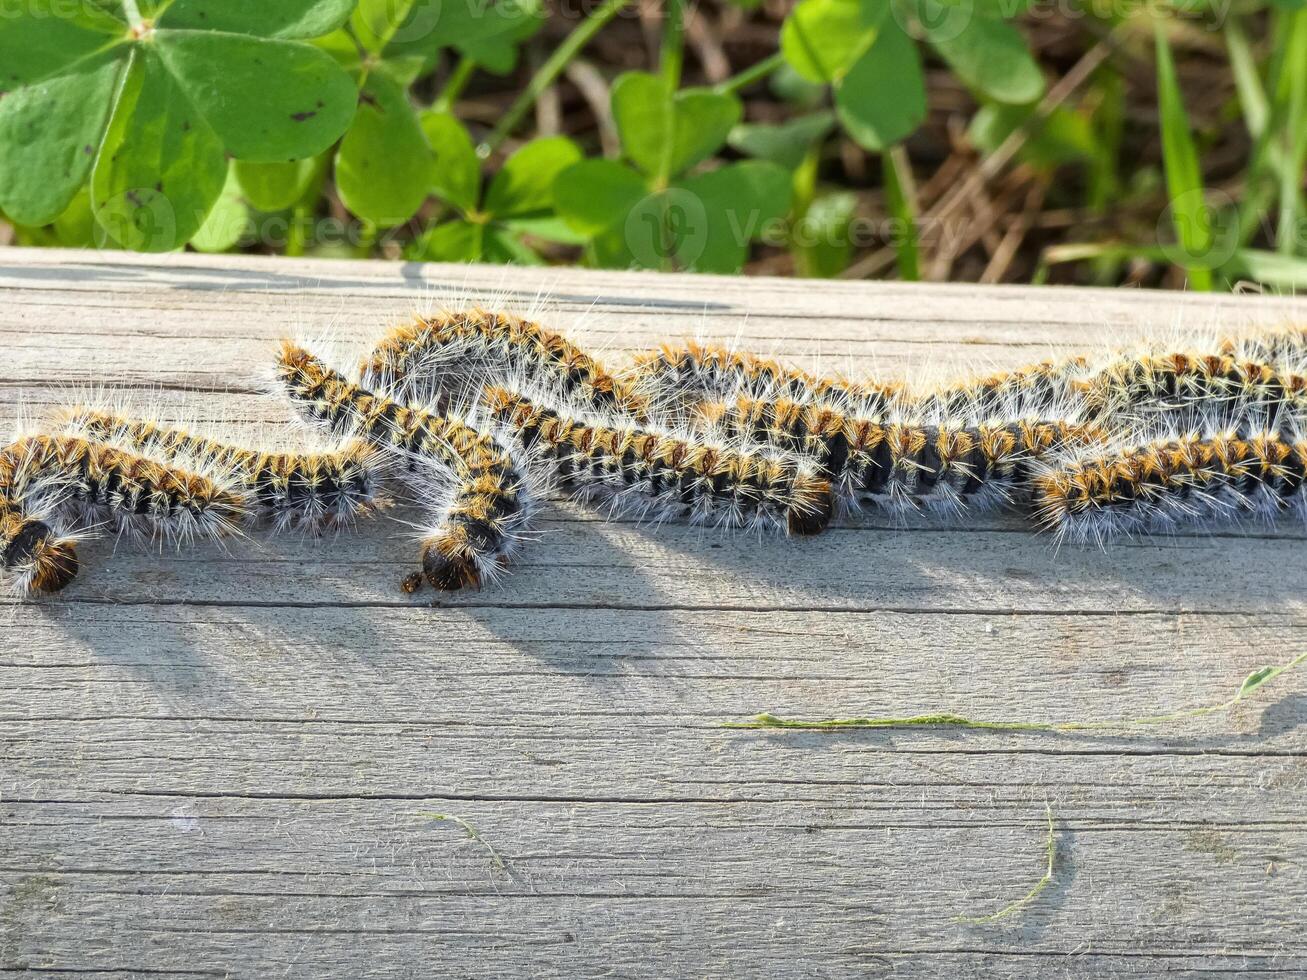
(225, 763)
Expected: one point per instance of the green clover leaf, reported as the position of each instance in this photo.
(519, 200)
(150, 109)
(227, 220)
(385, 167)
(488, 32)
(160, 166)
(702, 223)
(594, 195)
(50, 132)
(524, 185)
(285, 19)
(987, 53)
(393, 157)
(491, 35)
(665, 133)
(821, 240)
(785, 143)
(299, 111)
(39, 42)
(274, 186)
(862, 49)
(882, 97)
(821, 39)
(739, 200)
(652, 215)
(458, 168)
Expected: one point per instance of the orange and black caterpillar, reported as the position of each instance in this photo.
(35, 556)
(483, 503)
(445, 358)
(1130, 389)
(1285, 348)
(313, 491)
(942, 467)
(1193, 479)
(647, 473)
(1218, 383)
(1266, 370)
(676, 377)
(140, 496)
(1044, 389)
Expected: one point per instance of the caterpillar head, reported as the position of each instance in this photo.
(41, 559)
(812, 507)
(446, 573)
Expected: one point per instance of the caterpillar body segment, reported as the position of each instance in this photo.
(36, 555)
(1284, 348)
(446, 358)
(1047, 389)
(141, 497)
(479, 498)
(677, 377)
(1187, 479)
(659, 475)
(311, 491)
(914, 463)
(1131, 388)
(1218, 383)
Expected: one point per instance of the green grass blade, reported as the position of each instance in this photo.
(1109, 125)
(1247, 81)
(1293, 83)
(1184, 182)
(1287, 272)
(947, 719)
(1260, 114)
(1050, 850)
(900, 199)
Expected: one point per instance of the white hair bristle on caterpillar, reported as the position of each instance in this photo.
(491, 505)
(676, 377)
(1177, 373)
(947, 457)
(454, 353)
(37, 553)
(658, 473)
(312, 490)
(473, 410)
(141, 498)
(1284, 347)
(1197, 471)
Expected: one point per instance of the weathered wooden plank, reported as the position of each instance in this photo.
(999, 567)
(222, 763)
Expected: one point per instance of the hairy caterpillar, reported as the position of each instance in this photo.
(35, 554)
(1043, 388)
(1188, 477)
(940, 465)
(425, 360)
(1268, 369)
(657, 474)
(675, 377)
(1219, 383)
(313, 491)
(140, 496)
(1283, 347)
(490, 502)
